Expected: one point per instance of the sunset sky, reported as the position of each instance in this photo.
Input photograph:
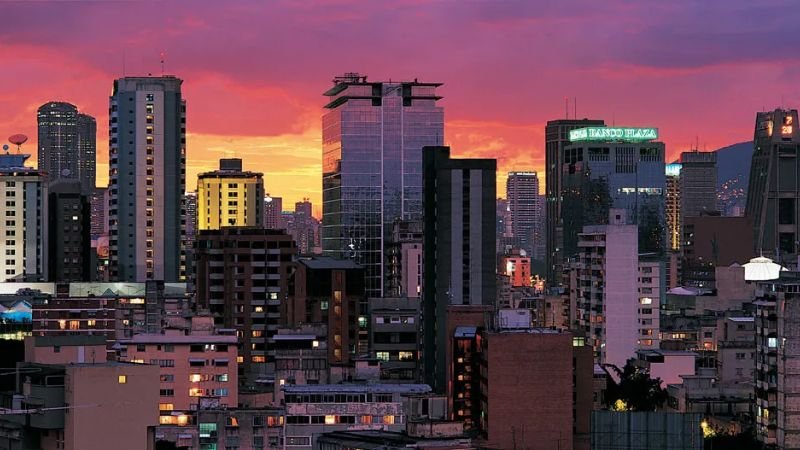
(254, 71)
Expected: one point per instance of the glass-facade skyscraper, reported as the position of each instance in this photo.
(67, 142)
(372, 139)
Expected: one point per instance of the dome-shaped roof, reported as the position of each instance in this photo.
(762, 269)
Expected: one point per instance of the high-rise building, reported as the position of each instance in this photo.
(539, 230)
(672, 206)
(147, 179)
(99, 203)
(777, 321)
(229, 197)
(190, 204)
(242, 277)
(458, 248)
(24, 243)
(620, 168)
(522, 192)
(606, 295)
(67, 144)
(773, 191)
(87, 151)
(372, 138)
(273, 209)
(698, 179)
(404, 270)
(69, 232)
(556, 137)
(302, 228)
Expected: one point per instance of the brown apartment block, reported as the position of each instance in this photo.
(526, 390)
(330, 292)
(242, 277)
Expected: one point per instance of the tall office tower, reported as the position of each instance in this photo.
(147, 179)
(372, 139)
(556, 137)
(606, 296)
(458, 248)
(190, 206)
(619, 168)
(242, 276)
(24, 243)
(99, 204)
(67, 144)
(87, 152)
(773, 191)
(69, 232)
(302, 229)
(672, 206)
(229, 197)
(522, 191)
(273, 209)
(698, 180)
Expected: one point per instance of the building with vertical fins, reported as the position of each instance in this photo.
(773, 190)
(67, 143)
(147, 179)
(230, 197)
(372, 139)
(458, 248)
(556, 137)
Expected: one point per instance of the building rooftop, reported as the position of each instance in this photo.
(742, 319)
(68, 341)
(153, 338)
(371, 388)
(325, 262)
(378, 439)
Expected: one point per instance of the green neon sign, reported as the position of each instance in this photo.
(613, 134)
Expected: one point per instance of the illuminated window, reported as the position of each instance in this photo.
(195, 378)
(406, 356)
(91, 323)
(149, 108)
(388, 420)
(259, 359)
(122, 379)
(258, 333)
(166, 406)
(240, 359)
(330, 420)
(578, 341)
(646, 301)
(383, 356)
(195, 392)
(786, 129)
(258, 309)
(337, 296)
(366, 420)
(772, 342)
(62, 324)
(74, 325)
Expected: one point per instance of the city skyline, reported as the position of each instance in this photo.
(636, 79)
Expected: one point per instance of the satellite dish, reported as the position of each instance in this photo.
(5, 147)
(18, 139)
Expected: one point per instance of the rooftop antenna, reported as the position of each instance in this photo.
(566, 106)
(163, 57)
(575, 109)
(123, 62)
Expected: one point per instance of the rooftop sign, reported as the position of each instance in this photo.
(613, 134)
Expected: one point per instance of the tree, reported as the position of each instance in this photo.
(636, 391)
